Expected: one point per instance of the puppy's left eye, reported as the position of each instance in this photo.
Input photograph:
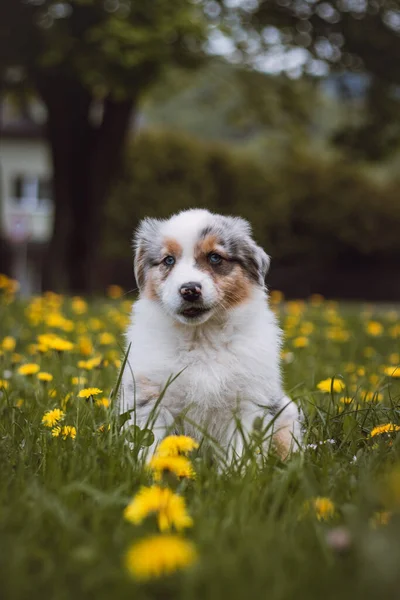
(169, 261)
(214, 258)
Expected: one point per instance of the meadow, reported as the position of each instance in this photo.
(323, 524)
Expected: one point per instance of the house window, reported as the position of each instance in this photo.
(30, 189)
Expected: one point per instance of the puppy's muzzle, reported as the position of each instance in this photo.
(190, 291)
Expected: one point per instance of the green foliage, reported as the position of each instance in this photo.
(110, 47)
(348, 36)
(218, 102)
(310, 205)
(360, 36)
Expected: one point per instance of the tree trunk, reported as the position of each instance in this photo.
(96, 178)
(85, 158)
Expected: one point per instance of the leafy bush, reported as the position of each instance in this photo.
(312, 206)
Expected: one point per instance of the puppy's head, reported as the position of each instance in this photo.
(197, 264)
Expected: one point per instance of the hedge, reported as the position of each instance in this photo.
(311, 206)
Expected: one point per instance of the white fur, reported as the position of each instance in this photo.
(229, 360)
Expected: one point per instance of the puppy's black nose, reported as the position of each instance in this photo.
(190, 291)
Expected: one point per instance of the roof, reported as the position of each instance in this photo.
(17, 124)
(22, 130)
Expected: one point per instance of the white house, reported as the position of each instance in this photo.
(26, 208)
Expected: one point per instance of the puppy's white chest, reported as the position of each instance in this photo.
(212, 376)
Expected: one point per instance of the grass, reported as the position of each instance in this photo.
(256, 528)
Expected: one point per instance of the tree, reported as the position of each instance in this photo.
(362, 36)
(91, 61)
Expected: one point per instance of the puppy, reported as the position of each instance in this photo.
(203, 314)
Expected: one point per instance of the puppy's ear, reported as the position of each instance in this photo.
(264, 262)
(255, 260)
(238, 235)
(145, 241)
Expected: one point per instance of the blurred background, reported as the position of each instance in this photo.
(286, 112)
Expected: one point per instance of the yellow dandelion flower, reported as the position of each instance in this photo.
(43, 376)
(346, 400)
(87, 392)
(307, 328)
(159, 555)
(85, 345)
(52, 417)
(95, 324)
(380, 518)
(61, 345)
(114, 291)
(28, 369)
(394, 331)
(19, 403)
(106, 338)
(104, 428)
(295, 307)
(68, 431)
(58, 321)
(65, 401)
(177, 465)
(105, 402)
(301, 342)
(374, 328)
(326, 385)
(82, 364)
(90, 364)
(387, 428)
(372, 396)
(78, 380)
(16, 358)
(394, 358)
(169, 508)
(127, 306)
(291, 322)
(3, 384)
(4, 280)
(176, 444)
(337, 334)
(81, 328)
(276, 297)
(323, 508)
(392, 372)
(8, 344)
(78, 305)
(369, 352)
(51, 341)
(374, 379)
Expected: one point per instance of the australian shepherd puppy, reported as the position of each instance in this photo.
(203, 313)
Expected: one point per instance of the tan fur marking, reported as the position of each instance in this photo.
(283, 441)
(206, 245)
(140, 267)
(201, 252)
(233, 285)
(235, 288)
(151, 287)
(172, 247)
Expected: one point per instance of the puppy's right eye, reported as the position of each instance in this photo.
(169, 261)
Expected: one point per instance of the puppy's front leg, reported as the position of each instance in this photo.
(148, 415)
(287, 434)
(285, 430)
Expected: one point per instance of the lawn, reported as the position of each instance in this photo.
(324, 524)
